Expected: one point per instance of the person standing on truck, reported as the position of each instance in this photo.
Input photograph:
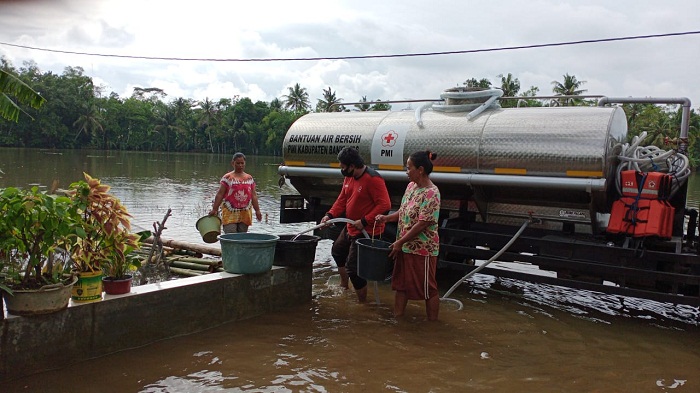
(362, 197)
(417, 244)
(237, 198)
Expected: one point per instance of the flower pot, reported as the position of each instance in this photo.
(88, 287)
(48, 299)
(114, 286)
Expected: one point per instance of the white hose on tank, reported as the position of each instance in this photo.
(652, 159)
(475, 109)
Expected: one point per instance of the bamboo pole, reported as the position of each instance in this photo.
(189, 265)
(186, 272)
(201, 261)
(188, 246)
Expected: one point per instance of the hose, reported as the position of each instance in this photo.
(652, 159)
(493, 258)
(345, 220)
(331, 221)
(474, 108)
(418, 114)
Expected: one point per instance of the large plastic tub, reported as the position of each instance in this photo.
(298, 253)
(247, 253)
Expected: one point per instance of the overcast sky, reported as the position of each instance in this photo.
(661, 67)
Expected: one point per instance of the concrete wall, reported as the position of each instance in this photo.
(149, 313)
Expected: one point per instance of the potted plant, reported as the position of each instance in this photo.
(104, 240)
(35, 228)
(118, 269)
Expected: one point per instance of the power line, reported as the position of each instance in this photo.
(498, 49)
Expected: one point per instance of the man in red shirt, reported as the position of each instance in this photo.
(362, 197)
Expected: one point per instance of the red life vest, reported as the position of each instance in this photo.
(643, 209)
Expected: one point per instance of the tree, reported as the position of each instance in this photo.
(364, 107)
(380, 106)
(276, 124)
(208, 119)
(569, 87)
(167, 124)
(10, 85)
(531, 92)
(329, 102)
(90, 122)
(297, 99)
(510, 87)
(477, 84)
(276, 105)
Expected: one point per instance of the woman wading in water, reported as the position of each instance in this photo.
(237, 198)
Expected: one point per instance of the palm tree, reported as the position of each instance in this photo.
(363, 107)
(329, 102)
(208, 118)
(90, 122)
(570, 87)
(297, 99)
(10, 85)
(276, 105)
(166, 123)
(510, 87)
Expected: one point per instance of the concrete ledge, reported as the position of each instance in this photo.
(149, 313)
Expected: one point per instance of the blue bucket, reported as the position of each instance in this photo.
(247, 253)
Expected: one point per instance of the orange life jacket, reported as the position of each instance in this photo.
(642, 210)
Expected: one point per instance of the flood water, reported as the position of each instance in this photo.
(511, 336)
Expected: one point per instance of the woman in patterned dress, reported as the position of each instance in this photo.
(237, 198)
(417, 243)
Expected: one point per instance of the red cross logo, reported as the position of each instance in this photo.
(389, 138)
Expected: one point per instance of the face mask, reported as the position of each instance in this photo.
(346, 172)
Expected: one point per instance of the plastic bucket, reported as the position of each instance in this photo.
(209, 227)
(298, 253)
(373, 259)
(247, 253)
(88, 287)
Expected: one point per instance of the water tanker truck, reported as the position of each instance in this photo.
(603, 211)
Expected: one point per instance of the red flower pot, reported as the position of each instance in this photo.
(112, 286)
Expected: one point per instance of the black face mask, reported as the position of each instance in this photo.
(346, 172)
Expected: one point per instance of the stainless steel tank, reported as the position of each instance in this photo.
(554, 162)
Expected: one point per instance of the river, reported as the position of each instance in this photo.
(511, 336)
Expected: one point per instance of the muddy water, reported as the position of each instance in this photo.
(511, 336)
(501, 341)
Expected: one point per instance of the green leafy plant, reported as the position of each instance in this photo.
(104, 238)
(35, 228)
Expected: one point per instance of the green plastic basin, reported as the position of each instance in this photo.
(247, 253)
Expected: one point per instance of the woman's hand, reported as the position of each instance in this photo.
(395, 249)
(380, 218)
(258, 215)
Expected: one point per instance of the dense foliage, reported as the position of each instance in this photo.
(76, 114)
